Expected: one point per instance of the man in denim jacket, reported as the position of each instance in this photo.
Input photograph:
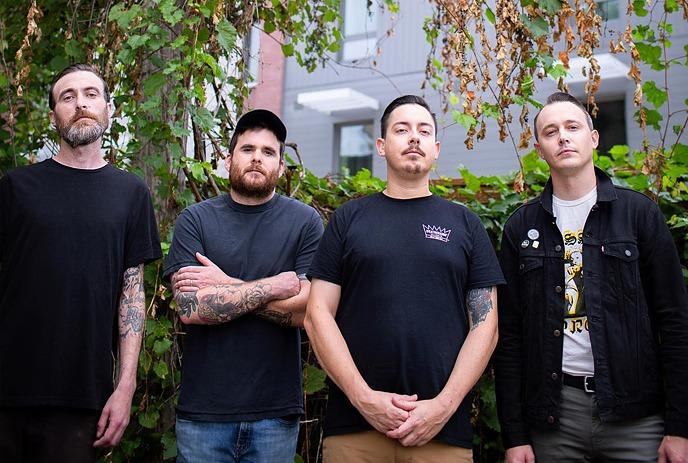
(592, 362)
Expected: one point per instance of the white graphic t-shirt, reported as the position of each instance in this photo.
(571, 216)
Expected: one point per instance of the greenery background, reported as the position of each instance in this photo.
(176, 71)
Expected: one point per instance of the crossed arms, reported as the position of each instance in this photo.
(411, 421)
(206, 295)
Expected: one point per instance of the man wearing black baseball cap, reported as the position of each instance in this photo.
(235, 264)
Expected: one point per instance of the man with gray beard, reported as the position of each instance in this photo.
(237, 265)
(75, 233)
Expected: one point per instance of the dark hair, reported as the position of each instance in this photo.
(257, 125)
(74, 68)
(561, 97)
(402, 100)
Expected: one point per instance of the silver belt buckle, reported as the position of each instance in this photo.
(586, 388)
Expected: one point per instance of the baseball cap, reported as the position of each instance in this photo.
(252, 118)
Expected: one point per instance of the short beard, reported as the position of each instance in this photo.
(79, 134)
(253, 189)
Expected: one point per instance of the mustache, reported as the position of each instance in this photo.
(256, 169)
(83, 113)
(414, 148)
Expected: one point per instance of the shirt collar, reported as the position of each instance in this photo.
(605, 190)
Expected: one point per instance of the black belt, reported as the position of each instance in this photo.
(584, 383)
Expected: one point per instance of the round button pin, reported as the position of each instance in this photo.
(533, 234)
(525, 244)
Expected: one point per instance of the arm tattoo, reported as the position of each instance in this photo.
(479, 302)
(225, 303)
(187, 303)
(275, 316)
(132, 314)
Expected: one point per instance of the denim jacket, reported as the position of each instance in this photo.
(637, 308)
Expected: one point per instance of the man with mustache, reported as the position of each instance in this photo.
(75, 233)
(402, 313)
(237, 265)
(592, 359)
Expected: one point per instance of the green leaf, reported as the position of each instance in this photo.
(288, 49)
(179, 129)
(146, 361)
(74, 50)
(618, 151)
(557, 71)
(489, 14)
(538, 27)
(170, 13)
(680, 154)
(269, 27)
(550, 6)
(149, 418)
(472, 181)
(212, 64)
(197, 171)
(226, 35)
(465, 120)
(137, 41)
(638, 182)
(453, 99)
(161, 346)
(639, 8)
(649, 54)
(652, 118)
(313, 379)
(169, 445)
(654, 95)
(203, 118)
(129, 446)
(670, 6)
(603, 162)
(161, 369)
(58, 63)
(153, 84)
(490, 110)
(640, 32)
(122, 16)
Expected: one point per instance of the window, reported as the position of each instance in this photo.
(355, 147)
(608, 9)
(611, 124)
(360, 30)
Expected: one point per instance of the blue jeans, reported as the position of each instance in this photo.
(264, 441)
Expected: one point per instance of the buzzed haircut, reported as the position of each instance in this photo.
(74, 68)
(402, 100)
(562, 97)
(254, 126)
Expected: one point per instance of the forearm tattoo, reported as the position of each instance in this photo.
(132, 312)
(275, 316)
(479, 302)
(225, 303)
(187, 303)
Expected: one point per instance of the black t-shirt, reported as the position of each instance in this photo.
(404, 267)
(249, 368)
(66, 237)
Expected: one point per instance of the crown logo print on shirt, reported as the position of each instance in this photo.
(434, 232)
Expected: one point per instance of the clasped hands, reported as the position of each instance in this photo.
(411, 421)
